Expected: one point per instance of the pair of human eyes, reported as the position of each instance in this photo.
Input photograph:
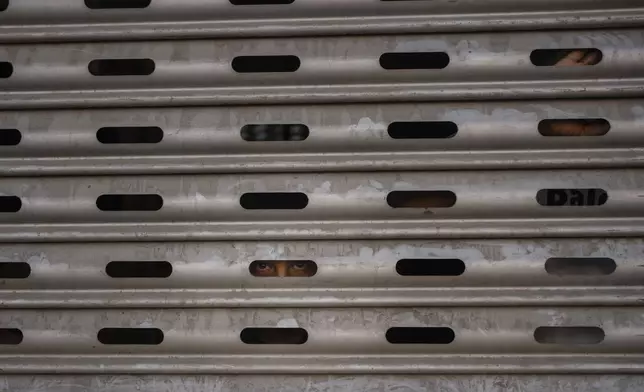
(271, 266)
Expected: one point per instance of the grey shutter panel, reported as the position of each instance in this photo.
(158, 157)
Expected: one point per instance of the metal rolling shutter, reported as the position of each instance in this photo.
(153, 153)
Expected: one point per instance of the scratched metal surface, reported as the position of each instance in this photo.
(332, 69)
(337, 205)
(489, 135)
(349, 274)
(324, 383)
(339, 340)
(42, 20)
(510, 320)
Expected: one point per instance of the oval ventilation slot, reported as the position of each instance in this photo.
(129, 135)
(274, 132)
(569, 335)
(143, 336)
(138, 269)
(274, 335)
(6, 69)
(4, 4)
(283, 268)
(10, 336)
(10, 137)
(586, 266)
(574, 127)
(274, 201)
(414, 60)
(129, 202)
(565, 57)
(10, 204)
(252, 64)
(14, 270)
(572, 197)
(115, 4)
(121, 67)
(421, 199)
(260, 2)
(422, 130)
(420, 335)
(430, 267)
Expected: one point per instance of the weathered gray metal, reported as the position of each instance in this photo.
(448, 136)
(95, 20)
(302, 196)
(565, 272)
(461, 67)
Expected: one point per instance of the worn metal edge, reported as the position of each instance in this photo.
(324, 364)
(325, 297)
(308, 94)
(345, 230)
(302, 162)
(424, 23)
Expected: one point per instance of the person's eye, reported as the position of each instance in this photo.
(298, 266)
(263, 266)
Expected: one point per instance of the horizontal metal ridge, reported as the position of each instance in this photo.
(347, 273)
(70, 20)
(320, 230)
(330, 69)
(428, 136)
(358, 297)
(324, 364)
(332, 205)
(323, 383)
(497, 340)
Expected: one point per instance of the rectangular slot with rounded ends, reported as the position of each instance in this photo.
(422, 130)
(430, 267)
(259, 335)
(572, 197)
(587, 266)
(116, 4)
(274, 201)
(129, 336)
(414, 60)
(10, 336)
(121, 67)
(421, 199)
(420, 335)
(10, 204)
(257, 64)
(574, 127)
(274, 132)
(6, 69)
(138, 269)
(129, 202)
(14, 270)
(129, 135)
(283, 268)
(565, 57)
(10, 137)
(569, 335)
(260, 2)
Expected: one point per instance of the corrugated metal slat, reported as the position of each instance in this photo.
(587, 272)
(472, 340)
(354, 205)
(315, 70)
(429, 136)
(40, 20)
